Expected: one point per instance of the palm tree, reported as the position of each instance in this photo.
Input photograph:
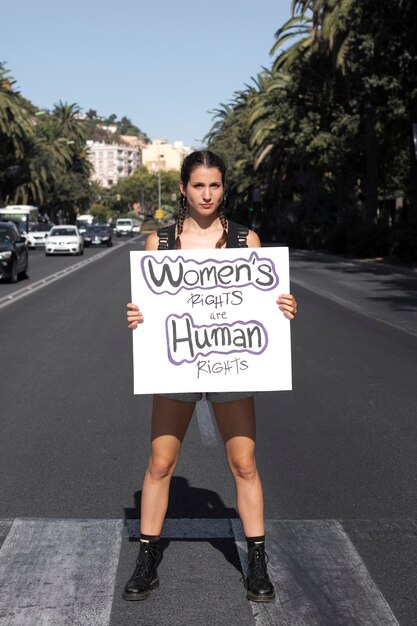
(298, 26)
(68, 123)
(264, 119)
(16, 132)
(14, 121)
(317, 24)
(71, 136)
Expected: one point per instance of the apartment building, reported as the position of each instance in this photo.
(159, 155)
(112, 162)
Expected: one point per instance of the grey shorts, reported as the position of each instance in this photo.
(211, 396)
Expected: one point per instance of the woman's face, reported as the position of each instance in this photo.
(204, 190)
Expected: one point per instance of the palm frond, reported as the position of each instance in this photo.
(287, 58)
(294, 27)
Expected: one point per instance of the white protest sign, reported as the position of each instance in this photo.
(211, 322)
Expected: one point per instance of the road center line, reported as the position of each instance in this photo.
(205, 424)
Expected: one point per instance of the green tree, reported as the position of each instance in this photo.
(16, 135)
(326, 133)
(63, 135)
(109, 121)
(142, 188)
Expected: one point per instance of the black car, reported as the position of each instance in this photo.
(98, 235)
(14, 256)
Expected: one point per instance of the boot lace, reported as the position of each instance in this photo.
(257, 562)
(148, 558)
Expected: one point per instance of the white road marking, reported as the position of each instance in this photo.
(319, 577)
(59, 572)
(5, 526)
(206, 424)
(44, 282)
(362, 310)
(63, 572)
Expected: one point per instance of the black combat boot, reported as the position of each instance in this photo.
(258, 585)
(145, 577)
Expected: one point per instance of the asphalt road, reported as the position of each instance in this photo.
(337, 455)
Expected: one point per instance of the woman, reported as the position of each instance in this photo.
(202, 224)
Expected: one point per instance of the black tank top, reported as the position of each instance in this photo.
(236, 236)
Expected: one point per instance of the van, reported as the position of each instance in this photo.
(127, 226)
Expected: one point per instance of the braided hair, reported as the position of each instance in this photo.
(180, 221)
(206, 158)
(223, 239)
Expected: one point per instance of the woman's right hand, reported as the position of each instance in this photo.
(134, 316)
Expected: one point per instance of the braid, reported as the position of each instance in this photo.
(223, 239)
(180, 221)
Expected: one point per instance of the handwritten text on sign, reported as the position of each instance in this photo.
(211, 320)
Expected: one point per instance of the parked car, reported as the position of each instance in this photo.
(64, 240)
(98, 235)
(37, 234)
(14, 256)
(127, 226)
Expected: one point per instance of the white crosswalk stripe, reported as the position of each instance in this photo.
(62, 572)
(59, 572)
(319, 578)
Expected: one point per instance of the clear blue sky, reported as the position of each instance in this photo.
(163, 64)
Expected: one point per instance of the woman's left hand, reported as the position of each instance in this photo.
(288, 305)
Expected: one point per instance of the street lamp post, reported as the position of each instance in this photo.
(159, 187)
(158, 166)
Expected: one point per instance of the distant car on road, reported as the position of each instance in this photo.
(14, 256)
(127, 226)
(98, 235)
(83, 222)
(37, 234)
(64, 240)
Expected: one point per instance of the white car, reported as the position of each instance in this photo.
(64, 240)
(35, 238)
(127, 226)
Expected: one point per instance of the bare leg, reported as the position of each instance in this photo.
(236, 422)
(170, 421)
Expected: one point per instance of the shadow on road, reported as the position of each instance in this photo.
(386, 290)
(191, 503)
